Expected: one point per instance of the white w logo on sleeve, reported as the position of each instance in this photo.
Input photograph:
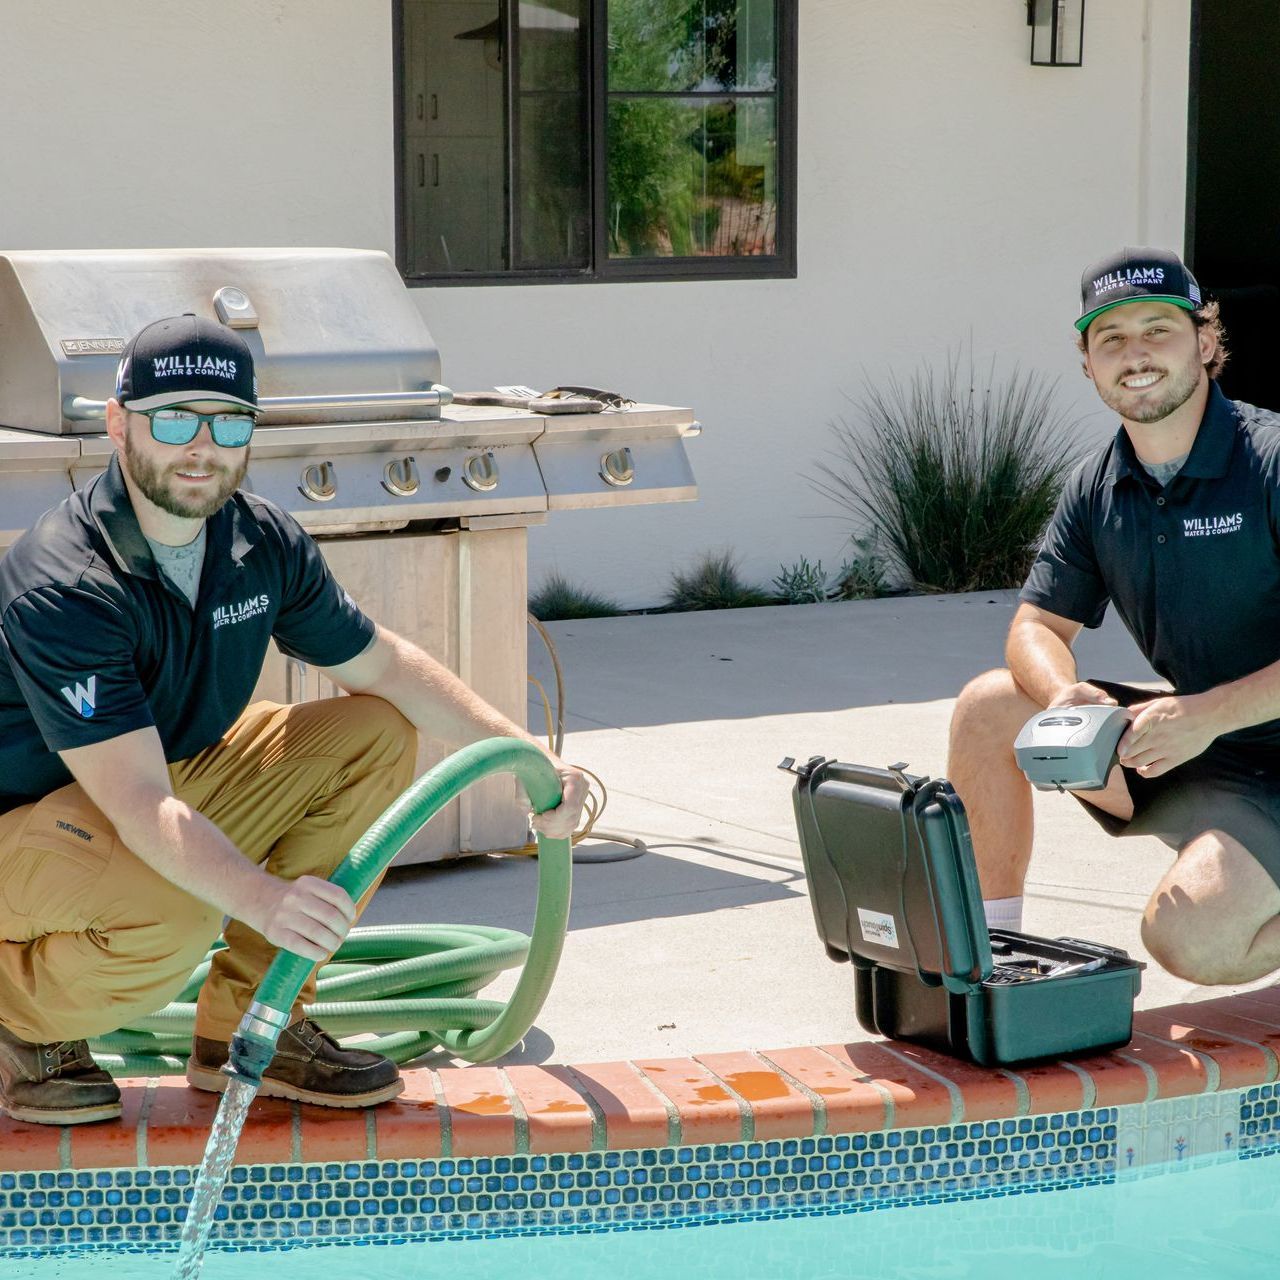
(82, 699)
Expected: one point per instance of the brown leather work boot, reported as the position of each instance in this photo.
(309, 1066)
(54, 1083)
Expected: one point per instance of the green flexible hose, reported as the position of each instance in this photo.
(421, 977)
(418, 981)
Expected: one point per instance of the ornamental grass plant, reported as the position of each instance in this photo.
(956, 475)
(714, 582)
(558, 599)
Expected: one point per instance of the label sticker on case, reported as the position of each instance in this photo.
(878, 927)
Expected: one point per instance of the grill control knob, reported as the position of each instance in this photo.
(233, 308)
(319, 482)
(400, 477)
(481, 472)
(617, 468)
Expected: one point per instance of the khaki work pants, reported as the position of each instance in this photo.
(92, 938)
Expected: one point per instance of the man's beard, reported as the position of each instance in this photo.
(155, 483)
(1177, 388)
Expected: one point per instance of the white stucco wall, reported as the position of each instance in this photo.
(947, 189)
(167, 123)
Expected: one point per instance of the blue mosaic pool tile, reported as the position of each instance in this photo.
(1259, 1120)
(277, 1206)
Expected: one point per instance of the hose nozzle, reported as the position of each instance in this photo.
(254, 1043)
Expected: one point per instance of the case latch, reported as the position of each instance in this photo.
(788, 765)
(908, 784)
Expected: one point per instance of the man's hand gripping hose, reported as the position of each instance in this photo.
(254, 1042)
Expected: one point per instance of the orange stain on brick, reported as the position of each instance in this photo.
(757, 1086)
(487, 1104)
(708, 1093)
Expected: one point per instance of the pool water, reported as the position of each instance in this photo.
(1214, 1218)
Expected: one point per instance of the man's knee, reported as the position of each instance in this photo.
(140, 968)
(1199, 938)
(1175, 944)
(991, 707)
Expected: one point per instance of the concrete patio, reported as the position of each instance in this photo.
(707, 943)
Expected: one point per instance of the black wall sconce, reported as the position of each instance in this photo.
(1057, 32)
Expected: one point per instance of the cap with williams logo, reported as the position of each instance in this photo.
(1134, 274)
(185, 358)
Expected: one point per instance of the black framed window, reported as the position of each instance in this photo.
(567, 140)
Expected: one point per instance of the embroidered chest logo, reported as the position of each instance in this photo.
(227, 615)
(1208, 526)
(83, 697)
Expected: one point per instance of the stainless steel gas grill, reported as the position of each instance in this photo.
(421, 506)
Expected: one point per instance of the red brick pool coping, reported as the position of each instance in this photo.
(756, 1095)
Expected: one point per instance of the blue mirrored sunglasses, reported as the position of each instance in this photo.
(181, 426)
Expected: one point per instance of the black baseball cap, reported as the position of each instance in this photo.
(186, 358)
(1132, 275)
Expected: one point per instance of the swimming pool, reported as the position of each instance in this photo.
(947, 1201)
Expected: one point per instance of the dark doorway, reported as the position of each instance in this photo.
(1233, 196)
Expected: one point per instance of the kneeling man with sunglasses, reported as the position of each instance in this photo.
(142, 799)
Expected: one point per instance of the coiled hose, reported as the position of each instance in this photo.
(414, 983)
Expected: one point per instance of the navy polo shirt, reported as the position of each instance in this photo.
(96, 642)
(1193, 568)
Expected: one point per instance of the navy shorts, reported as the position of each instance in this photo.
(1229, 788)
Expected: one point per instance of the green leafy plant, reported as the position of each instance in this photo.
(802, 583)
(956, 476)
(714, 582)
(862, 575)
(557, 599)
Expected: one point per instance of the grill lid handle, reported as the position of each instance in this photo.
(80, 409)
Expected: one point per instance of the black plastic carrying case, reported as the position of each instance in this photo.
(894, 889)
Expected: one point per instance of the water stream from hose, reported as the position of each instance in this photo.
(219, 1152)
(254, 1044)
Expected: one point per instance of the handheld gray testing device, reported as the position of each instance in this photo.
(1070, 748)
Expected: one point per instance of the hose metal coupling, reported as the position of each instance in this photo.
(254, 1043)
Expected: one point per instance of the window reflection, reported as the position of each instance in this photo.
(553, 201)
(681, 45)
(692, 178)
(454, 135)
(500, 159)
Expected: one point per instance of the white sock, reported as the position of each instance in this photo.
(1003, 913)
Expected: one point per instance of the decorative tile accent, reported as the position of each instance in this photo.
(1173, 1131)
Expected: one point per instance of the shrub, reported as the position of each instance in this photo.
(713, 583)
(957, 480)
(862, 576)
(801, 583)
(557, 599)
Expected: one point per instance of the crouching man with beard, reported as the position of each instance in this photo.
(142, 798)
(1177, 522)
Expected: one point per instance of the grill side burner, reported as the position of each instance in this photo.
(420, 507)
